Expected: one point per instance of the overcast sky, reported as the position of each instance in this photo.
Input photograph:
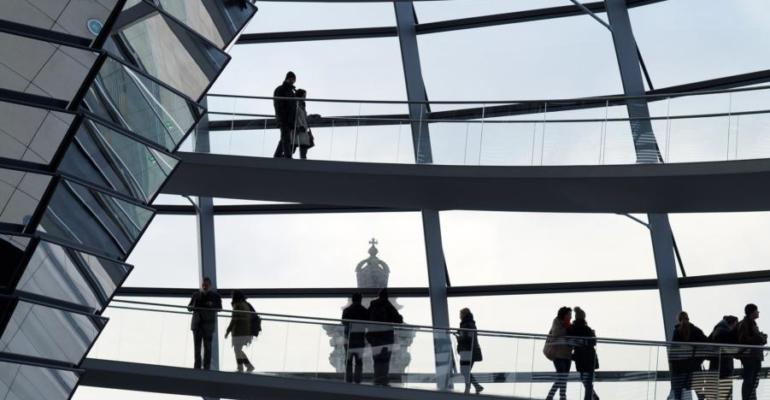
(681, 41)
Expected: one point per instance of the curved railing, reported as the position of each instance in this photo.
(513, 363)
(718, 125)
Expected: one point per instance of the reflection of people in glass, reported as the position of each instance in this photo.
(240, 327)
(682, 359)
(469, 350)
(558, 350)
(204, 304)
(382, 337)
(584, 353)
(749, 334)
(354, 338)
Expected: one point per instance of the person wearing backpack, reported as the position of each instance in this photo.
(721, 360)
(243, 328)
(381, 337)
(558, 350)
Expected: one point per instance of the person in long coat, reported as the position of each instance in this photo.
(584, 352)
(558, 350)
(469, 349)
(240, 328)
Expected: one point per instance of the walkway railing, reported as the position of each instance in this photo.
(513, 363)
(688, 127)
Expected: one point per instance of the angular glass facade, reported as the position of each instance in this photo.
(95, 97)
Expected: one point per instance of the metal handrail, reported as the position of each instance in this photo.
(613, 98)
(294, 318)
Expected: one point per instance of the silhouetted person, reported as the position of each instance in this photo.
(721, 360)
(303, 136)
(382, 337)
(584, 352)
(749, 334)
(204, 304)
(469, 350)
(285, 115)
(355, 342)
(242, 329)
(558, 350)
(684, 359)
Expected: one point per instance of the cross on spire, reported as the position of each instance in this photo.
(373, 242)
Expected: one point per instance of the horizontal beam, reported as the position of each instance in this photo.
(734, 278)
(432, 27)
(257, 209)
(325, 34)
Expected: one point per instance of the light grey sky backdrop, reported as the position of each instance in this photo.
(681, 41)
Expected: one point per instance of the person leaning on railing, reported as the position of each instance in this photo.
(749, 334)
(683, 360)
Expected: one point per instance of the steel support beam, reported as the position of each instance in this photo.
(437, 289)
(646, 152)
(207, 260)
(406, 22)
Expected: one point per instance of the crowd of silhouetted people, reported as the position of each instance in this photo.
(569, 340)
(573, 340)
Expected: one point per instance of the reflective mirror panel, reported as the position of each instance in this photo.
(218, 21)
(72, 276)
(113, 160)
(87, 217)
(20, 381)
(141, 105)
(45, 332)
(167, 50)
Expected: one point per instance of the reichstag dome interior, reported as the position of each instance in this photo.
(384, 199)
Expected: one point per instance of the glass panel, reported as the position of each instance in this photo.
(93, 219)
(82, 18)
(713, 41)
(499, 247)
(20, 193)
(45, 332)
(113, 160)
(170, 52)
(306, 16)
(372, 70)
(141, 105)
(72, 276)
(321, 250)
(532, 64)
(155, 265)
(36, 67)
(716, 243)
(19, 381)
(31, 134)
(94, 393)
(217, 21)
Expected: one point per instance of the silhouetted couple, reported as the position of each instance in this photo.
(292, 119)
(381, 337)
(567, 341)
